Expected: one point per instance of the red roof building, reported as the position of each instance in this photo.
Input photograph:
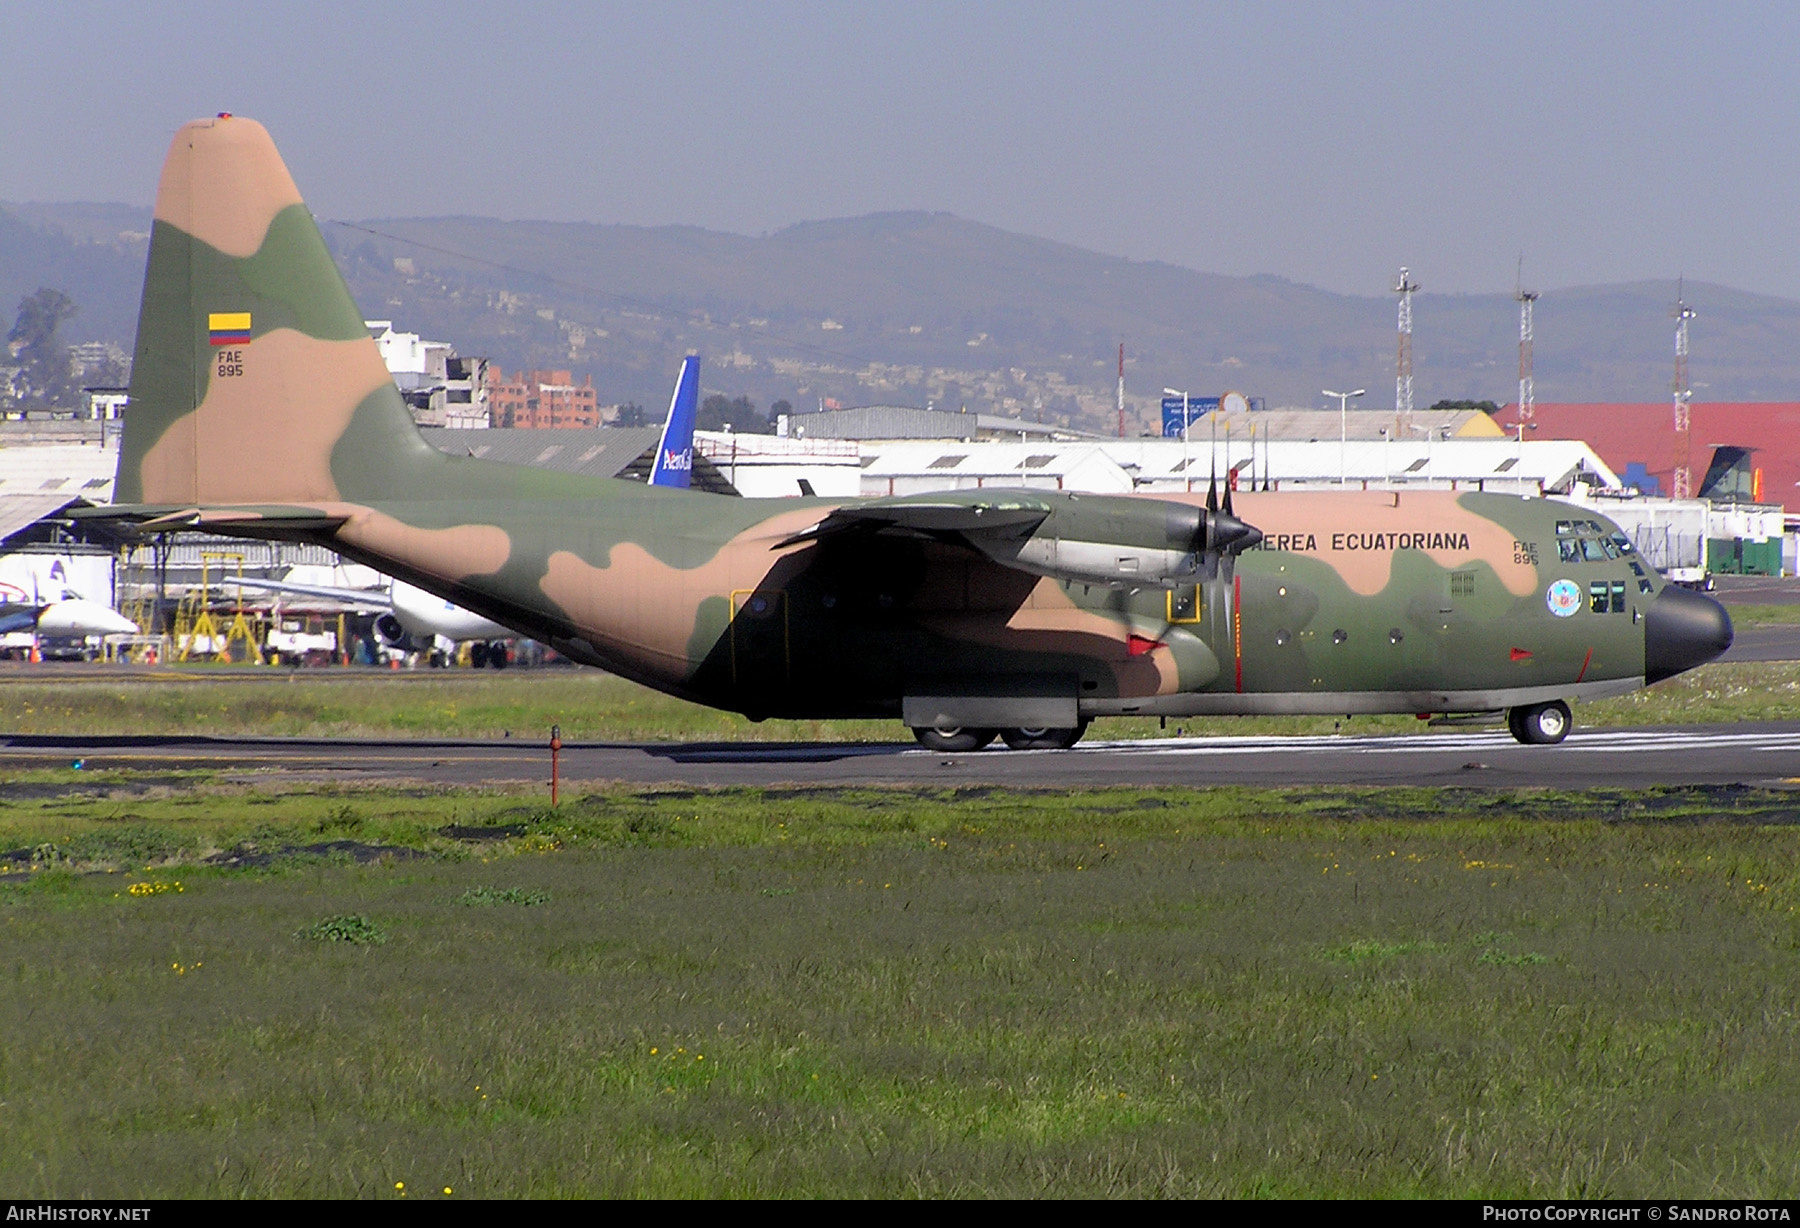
(1639, 438)
(543, 400)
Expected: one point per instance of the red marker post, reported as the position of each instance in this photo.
(555, 755)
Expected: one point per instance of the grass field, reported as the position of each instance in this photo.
(596, 706)
(214, 991)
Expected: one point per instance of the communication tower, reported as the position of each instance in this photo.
(1121, 390)
(1684, 470)
(1403, 398)
(1527, 392)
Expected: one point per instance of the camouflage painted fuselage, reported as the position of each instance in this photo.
(1379, 602)
(260, 407)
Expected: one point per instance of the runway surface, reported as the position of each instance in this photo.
(1757, 590)
(1770, 643)
(1717, 754)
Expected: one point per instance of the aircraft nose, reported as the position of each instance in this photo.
(1682, 629)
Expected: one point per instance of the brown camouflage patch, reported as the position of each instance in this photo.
(1050, 622)
(223, 183)
(1353, 532)
(253, 439)
(450, 554)
(645, 610)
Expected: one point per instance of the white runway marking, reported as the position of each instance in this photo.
(1592, 741)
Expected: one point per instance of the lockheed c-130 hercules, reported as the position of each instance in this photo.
(260, 407)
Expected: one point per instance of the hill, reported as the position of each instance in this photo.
(910, 307)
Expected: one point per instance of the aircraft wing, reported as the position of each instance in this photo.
(935, 515)
(18, 616)
(360, 598)
(1119, 540)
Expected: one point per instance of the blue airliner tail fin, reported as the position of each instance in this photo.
(675, 453)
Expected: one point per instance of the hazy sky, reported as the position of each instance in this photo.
(1323, 143)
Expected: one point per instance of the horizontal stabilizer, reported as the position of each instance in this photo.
(156, 518)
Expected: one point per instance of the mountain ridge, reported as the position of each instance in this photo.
(913, 306)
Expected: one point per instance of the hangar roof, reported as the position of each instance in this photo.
(604, 452)
(1624, 433)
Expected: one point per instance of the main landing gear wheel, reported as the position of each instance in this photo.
(954, 738)
(1540, 724)
(1043, 739)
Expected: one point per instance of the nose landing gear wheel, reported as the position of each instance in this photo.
(1043, 739)
(953, 738)
(1540, 724)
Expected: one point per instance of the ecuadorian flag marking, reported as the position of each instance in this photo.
(228, 327)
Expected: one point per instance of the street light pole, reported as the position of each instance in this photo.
(1343, 430)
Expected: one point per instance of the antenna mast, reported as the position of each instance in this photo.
(1403, 398)
(1121, 390)
(1684, 470)
(1527, 392)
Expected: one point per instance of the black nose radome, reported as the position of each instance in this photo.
(1682, 629)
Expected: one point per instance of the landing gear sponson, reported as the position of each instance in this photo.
(1543, 724)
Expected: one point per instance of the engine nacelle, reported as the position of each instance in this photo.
(391, 632)
(1126, 542)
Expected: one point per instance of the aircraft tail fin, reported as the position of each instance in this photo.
(674, 465)
(254, 378)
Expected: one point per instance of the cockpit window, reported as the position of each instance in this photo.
(1591, 551)
(1606, 544)
(1624, 544)
(1569, 550)
(1564, 528)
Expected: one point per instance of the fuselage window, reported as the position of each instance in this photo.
(1618, 596)
(1597, 596)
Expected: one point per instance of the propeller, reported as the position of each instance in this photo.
(1227, 535)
